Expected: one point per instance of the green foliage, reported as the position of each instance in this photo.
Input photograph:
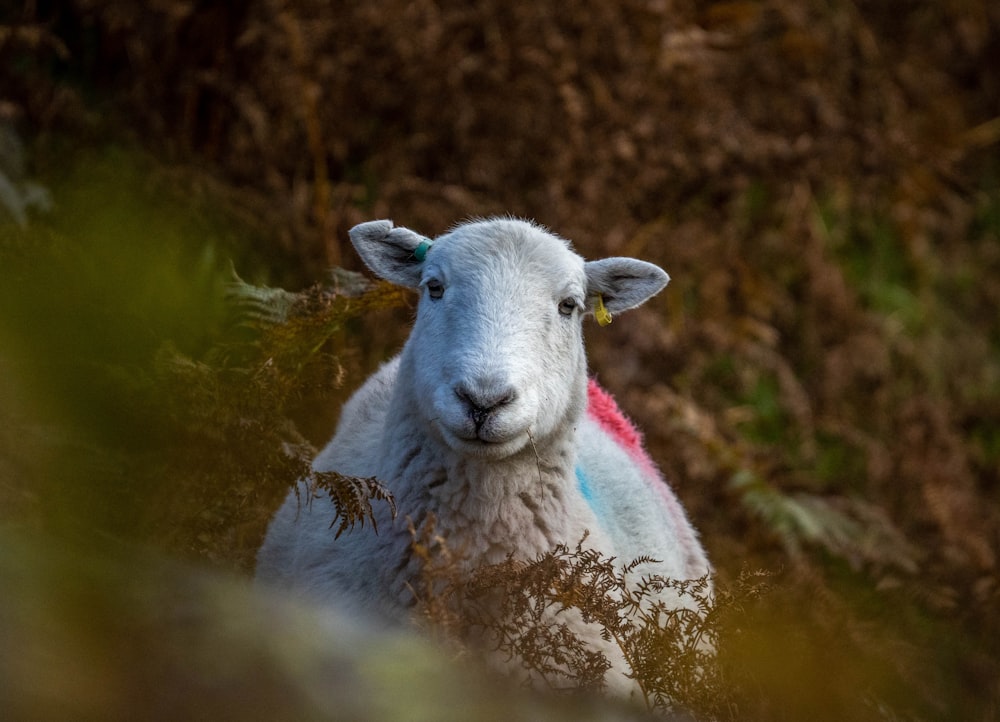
(164, 385)
(766, 420)
(851, 529)
(18, 195)
(876, 265)
(233, 407)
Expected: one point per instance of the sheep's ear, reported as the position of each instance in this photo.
(394, 254)
(622, 283)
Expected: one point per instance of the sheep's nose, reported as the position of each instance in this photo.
(481, 400)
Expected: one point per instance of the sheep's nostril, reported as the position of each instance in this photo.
(483, 400)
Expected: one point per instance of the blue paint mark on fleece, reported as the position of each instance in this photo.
(588, 494)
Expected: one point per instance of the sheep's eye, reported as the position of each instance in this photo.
(567, 306)
(435, 289)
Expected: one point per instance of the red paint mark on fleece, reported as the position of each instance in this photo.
(602, 407)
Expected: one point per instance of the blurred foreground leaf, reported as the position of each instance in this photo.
(130, 635)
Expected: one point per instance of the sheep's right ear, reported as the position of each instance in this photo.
(394, 254)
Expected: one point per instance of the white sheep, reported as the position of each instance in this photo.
(487, 419)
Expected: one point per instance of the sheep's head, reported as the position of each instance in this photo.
(496, 359)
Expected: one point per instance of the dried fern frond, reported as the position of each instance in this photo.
(352, 498)
(525, 611)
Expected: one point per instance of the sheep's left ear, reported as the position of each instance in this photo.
(395, 254)
(622, 283)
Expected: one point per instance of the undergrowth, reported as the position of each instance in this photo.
(670, 633)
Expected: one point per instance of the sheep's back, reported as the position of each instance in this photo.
(633, 503)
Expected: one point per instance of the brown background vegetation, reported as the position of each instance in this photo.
(820, 382)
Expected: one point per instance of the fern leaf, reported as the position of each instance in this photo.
(258, 306)
(352, 498)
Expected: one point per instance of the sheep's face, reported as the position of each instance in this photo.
(498, 340)
(496, 361)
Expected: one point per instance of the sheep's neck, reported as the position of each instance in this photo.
(488, 508)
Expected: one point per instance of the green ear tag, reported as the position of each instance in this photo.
(420, 252)
(602, 314)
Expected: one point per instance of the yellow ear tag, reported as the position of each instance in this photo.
(602, 314)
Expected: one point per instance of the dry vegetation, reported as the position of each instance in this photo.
(821, 381)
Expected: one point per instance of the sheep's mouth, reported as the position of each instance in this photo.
(494, 432)
(483, 443)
